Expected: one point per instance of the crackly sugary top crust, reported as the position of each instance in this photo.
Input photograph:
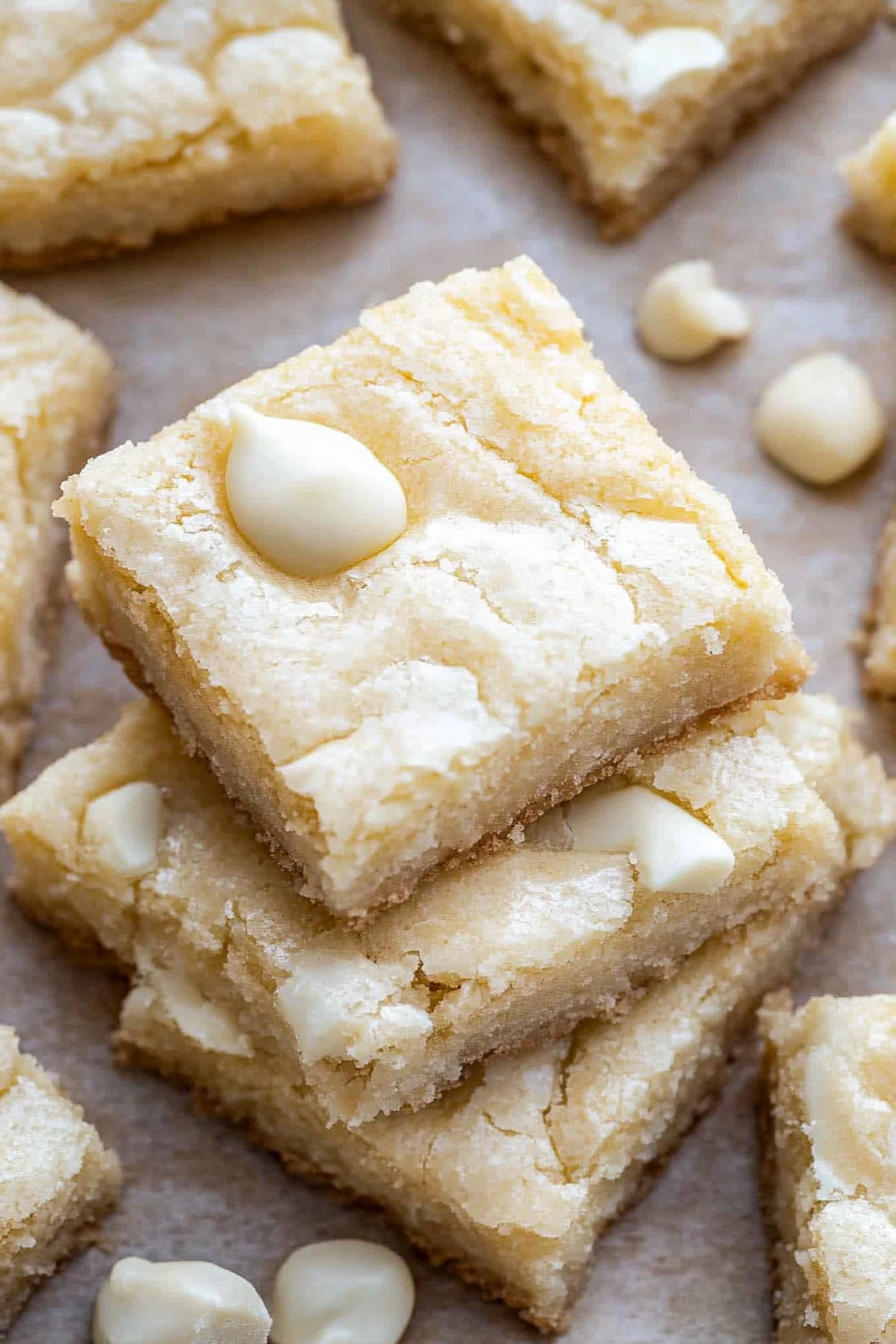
(555, 544)
(55, 392)
(96, 87)
(433, 964)
(44, 1141)
(838, 1064)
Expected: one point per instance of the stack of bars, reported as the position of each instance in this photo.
(526, 811)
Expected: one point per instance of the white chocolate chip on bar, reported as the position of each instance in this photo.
(124, 827)
(331, 1291)
(311, 500)
(821, 419)
(683, 315)
(674, 851)
(211, 1024)
(659, 58)
(181, 1302)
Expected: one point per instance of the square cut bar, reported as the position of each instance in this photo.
(481, 960)
(566, 592)
(56, 1178)
(142, 118)
(829, 1120)
(628, 102)
(870, 175)
(514, 1175)
(56, 396)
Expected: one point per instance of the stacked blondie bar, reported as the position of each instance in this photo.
(475, 805)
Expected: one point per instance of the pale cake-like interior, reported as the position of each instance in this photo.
(514, 1174)
(830, 1167)
(632, 97)
(56, 1178)
(870, 175)
(124, 119)
(567, 591)
(880, 657)
(483, 958)
(56, 395)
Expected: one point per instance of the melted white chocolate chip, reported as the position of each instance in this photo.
(674, 851)
(181, 1302)
(659, 58)
(683, 315)
(821, 419)
(333, 1291)
(311, 500)
(124, 828)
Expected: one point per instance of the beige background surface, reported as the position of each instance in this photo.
(192, 316)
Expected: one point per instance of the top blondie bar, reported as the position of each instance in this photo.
(566, 591)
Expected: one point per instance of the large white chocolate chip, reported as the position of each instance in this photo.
(674, 850)
(683, 315)
(821, 419)
(311, 500)
(181, 1302)
(659, 58)
(342, 1292)
(124, 828)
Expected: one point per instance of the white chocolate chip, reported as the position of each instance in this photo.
(683, 315)
(181, 1302)
(311, 500)
(660, 57)
(180, 997)
(342, 1292)
(124, 828)
(821, 419)
(673, 849)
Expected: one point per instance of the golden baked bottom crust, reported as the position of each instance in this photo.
(828, 1120)
(567, 591)
(565, 71)
(153, 117)
(514, 1174)
(482, 959)
(56, 1178)
(56, 397)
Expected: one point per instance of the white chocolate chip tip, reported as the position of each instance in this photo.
(821, 419)
(124, 828)
(674, 851)
(659, 58)
(683, 315)
(309, 499)
(179, 1302)
(353, 1291)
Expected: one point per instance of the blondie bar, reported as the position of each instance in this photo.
(514, 1175)
(830, 1167)
(632, 97)
(126, 119)
(56, 1178)
(483, 958)
(870, 175)
(563, 590)
(880, 646)
(56, 394)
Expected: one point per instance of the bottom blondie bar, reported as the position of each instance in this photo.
(829, 1122)
(56, 1178)
(513, 1175)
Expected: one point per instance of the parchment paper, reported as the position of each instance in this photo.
(190, 317)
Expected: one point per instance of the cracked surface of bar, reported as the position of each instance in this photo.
(567, 592)
(56, 1178)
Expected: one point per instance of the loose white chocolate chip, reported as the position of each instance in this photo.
(683, 315)
(311, 500)
(342, 1292)
(660, 57)
(674, 851)
(124, 828)
(181, 1302)
(821, 419)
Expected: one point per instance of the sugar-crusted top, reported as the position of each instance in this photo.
(111, 85)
